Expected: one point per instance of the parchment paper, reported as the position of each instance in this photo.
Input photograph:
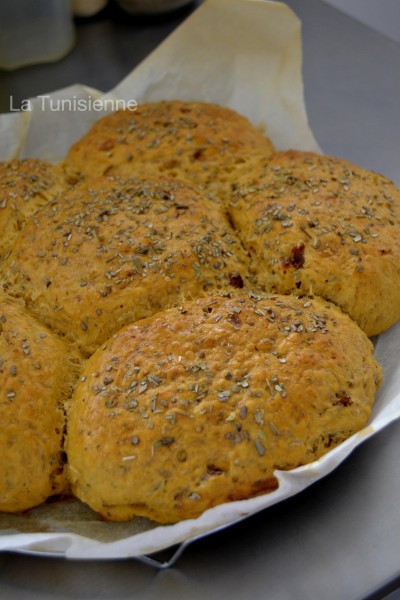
(245, 54)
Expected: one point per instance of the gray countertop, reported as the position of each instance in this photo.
(339, 539)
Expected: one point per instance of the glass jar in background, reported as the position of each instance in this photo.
(151, 7)
(34, 31)
(87, 8)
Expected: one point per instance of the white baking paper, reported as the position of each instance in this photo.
(245, 54)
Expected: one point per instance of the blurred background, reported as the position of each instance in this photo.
(383, 16)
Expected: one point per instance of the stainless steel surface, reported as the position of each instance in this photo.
(340, 539)
(352, 87)
(382, 16)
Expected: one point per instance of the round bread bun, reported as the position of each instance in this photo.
(199, 404)
(192, 140)
(314, 224)
(113, 251)
(25, 186)
(36, 377)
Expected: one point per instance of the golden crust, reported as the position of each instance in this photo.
(25, 186)
(187, 407)
(198, 405)
(192, 140)
(113, 251)
(319, 225)
(36, 375)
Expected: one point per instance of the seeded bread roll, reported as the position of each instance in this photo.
(191, 140)
(198, 405)
(113, 251)
(36, 376)
(25, 186)
(319, 225)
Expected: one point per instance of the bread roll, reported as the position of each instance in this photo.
(36, 377)
(112, 251)
(195, 390)
(25, 186)
(199, 404)
(191, 140)
(319, 225)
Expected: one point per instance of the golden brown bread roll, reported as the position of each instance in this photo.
(113, 251)
(319, 225)
(25, 186)
(199, 404)
(191, 140)
(36, 377)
